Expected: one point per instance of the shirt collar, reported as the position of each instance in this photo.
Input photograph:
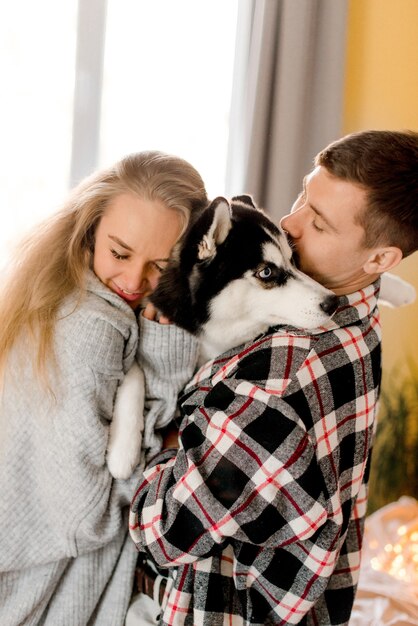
(352, 309)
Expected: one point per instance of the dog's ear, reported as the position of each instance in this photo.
(218, 230)
(246, 200)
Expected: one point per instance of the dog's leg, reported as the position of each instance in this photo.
(394, 291)
(125, 433)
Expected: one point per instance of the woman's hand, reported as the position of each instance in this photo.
(151, 313)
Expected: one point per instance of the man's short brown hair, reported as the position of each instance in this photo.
(385, 164)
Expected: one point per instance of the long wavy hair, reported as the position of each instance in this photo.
(51, 261)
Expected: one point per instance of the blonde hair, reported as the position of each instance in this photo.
(52, 261)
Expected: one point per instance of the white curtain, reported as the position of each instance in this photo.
(287, 95)
(91, 27)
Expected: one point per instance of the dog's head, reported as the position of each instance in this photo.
(231, 277)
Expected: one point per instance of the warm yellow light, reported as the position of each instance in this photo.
(376, 564)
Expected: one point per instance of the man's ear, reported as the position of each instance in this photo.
(383, 260)
(218, 230)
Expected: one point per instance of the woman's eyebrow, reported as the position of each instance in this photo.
(125, 245)
(120, 243)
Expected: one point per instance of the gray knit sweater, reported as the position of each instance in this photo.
(65, 555)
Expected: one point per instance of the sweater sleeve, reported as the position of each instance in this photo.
(168, 357)
(59, 498)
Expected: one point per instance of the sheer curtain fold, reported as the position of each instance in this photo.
(91, 29)
(288, 95)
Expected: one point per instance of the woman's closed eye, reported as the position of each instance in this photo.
(118, 256)
(159, 265)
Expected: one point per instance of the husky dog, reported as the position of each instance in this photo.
(229, 279)
(232, 278)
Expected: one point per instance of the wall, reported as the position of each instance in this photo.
(381, 92)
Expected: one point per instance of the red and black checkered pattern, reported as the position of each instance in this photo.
(260, 513)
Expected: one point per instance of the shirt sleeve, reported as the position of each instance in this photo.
(246, 470)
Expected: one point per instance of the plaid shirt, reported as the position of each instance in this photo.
(260, 512)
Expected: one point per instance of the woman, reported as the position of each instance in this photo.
(68, 334)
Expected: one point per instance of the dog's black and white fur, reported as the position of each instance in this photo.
(230, 278)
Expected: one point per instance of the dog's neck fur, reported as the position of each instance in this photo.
(214, 285)
(218, 336)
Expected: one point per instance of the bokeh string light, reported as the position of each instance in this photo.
(399, 557)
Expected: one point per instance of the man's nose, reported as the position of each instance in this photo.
(283, 222)
(292, 223)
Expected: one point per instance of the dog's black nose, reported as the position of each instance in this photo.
(329, 305)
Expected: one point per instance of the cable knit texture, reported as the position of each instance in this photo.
(65, 556)
(168, 356)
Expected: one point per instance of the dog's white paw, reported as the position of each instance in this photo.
(122, 462)
(125, 431)
(395, 291)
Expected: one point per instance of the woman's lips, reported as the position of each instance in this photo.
(128, 296)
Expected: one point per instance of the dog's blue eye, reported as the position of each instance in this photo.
(272, 275)
(265, 272)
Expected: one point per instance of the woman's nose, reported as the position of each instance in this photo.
(135, 277)
(143, 277)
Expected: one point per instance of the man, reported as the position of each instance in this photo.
(260, 513)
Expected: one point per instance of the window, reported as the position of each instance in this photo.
(166, 84)
(37, 50)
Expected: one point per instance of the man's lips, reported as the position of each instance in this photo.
(296, 258)
(295, 255)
